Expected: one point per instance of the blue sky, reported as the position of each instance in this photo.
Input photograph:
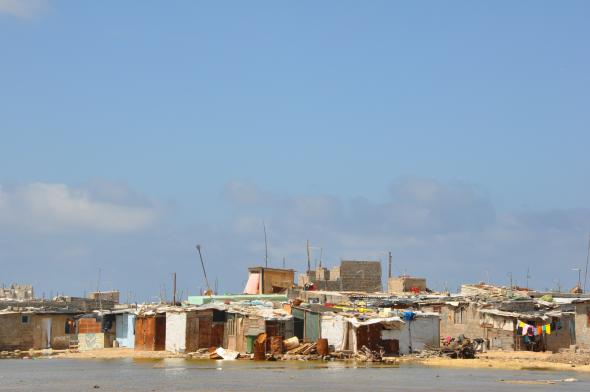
(453, 133)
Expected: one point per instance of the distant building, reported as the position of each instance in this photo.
(406, 284)
(111, 296)
(262, 280)
(17, 292)
(351, 275)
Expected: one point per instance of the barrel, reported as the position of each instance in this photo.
(322, 347)
(276, 345)
(259, 352)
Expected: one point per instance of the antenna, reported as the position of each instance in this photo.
(284, 262)
(265, 245)
(204, 272)
(321, 254)
(528, 276)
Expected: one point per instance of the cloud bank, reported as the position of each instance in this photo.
(23, 9)
(49, 208)
(448, 232)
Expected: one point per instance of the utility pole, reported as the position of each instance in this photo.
(174, 289)
(265, 245)
(204, 272)
(389, 269)
(528, 276)
(308, 258)
(283, 262)
(587, 260)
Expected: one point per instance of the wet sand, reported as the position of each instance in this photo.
(493, 360)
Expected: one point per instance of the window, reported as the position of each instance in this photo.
(437, 309)
(25, 319)
(459, 316)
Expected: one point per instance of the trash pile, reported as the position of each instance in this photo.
(460, 347)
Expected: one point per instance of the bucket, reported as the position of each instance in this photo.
(322, 347)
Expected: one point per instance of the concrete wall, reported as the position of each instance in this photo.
(14, 334)
(277, 278)
(91, 341)
(461, 320)
(360, 276)
(582, 325)
(561, 338)
(404, 284)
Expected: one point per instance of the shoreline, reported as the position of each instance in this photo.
(526, 361)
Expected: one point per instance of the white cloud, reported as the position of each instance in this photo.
(55, 207)
(24, 9)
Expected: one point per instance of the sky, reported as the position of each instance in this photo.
(453, 134)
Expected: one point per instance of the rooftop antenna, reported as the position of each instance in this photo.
(528, 276)
(284, 258)
(389, 269)
(208, 292)
(174, 289)
(265, 245)
(587, 259)
(321, 254)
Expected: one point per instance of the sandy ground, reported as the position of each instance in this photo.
(117, 353)
(521, 360)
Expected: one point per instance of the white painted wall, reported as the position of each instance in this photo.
(176, 332)
(334, 328)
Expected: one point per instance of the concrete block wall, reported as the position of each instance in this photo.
(361, 276)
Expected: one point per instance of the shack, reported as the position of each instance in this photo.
(263, 280)
(531, 331)
(36, 329)
(150, 331)
(245, 322)
(396, 335)
(182, 330)
(125, 328)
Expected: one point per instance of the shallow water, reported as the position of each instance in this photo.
(182, 375)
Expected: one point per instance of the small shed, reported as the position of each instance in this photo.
(150, 331)
(244, 323)
(37, 329)
(396, 335)
(125, 328)
(182, 330)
